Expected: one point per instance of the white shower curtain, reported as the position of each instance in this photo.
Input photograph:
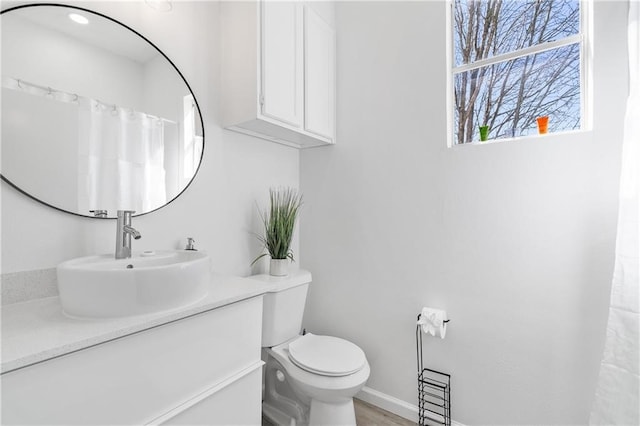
(121, 156)
(617, 397)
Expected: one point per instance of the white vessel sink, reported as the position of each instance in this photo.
(105, 287)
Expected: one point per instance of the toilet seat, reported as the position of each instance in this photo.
(326, 355)
(309, 384)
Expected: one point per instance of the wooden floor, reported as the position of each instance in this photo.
(370, 415)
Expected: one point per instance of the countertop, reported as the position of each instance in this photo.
(37, 330)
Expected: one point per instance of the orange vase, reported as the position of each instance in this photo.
(543, 123)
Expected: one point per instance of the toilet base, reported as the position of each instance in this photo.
(277, 417)
(320, 414)
(335, 413)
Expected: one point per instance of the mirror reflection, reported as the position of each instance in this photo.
(94, 117)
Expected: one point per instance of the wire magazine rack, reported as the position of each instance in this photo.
(434, 391)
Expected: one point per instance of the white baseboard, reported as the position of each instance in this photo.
(392, 404)
(389, 403)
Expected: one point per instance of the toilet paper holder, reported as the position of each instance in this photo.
(434, 389)
(445, 321)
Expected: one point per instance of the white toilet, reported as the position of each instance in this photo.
(309, 379)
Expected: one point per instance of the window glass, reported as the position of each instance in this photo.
(509, 96)
(486, 28)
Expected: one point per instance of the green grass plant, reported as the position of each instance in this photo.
(279, 223)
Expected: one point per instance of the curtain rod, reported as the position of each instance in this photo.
(16, 83)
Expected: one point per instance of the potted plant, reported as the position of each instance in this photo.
(279, 222)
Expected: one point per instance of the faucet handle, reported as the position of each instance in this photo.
(190, 245)
(99, 213)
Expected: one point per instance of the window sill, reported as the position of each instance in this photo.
(523, 138)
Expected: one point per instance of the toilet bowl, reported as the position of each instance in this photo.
(309, 379)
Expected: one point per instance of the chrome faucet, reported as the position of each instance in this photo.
(124, 232)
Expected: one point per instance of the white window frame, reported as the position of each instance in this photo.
(190, 151)
(586, 70)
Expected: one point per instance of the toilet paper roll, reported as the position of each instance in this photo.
(433, 322)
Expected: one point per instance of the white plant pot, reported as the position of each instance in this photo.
(279, 267)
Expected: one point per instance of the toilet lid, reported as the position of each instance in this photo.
(326, 355)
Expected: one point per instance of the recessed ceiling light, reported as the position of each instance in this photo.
(160, 5)
(79, 19)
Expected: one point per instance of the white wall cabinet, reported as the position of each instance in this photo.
(279, 71)
(204, 369)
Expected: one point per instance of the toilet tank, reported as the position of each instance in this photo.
(283, 306)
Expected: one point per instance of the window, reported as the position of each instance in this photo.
(192, 140)
(513, 61)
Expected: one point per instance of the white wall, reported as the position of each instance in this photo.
(163, 90)
(218, 209)
(514, 239)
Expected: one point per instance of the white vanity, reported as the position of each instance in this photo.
(196, 365)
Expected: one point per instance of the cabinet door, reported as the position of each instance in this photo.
(282, 62)
(319, 66)
(238, 403)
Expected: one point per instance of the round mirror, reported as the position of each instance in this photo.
(95, 118)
